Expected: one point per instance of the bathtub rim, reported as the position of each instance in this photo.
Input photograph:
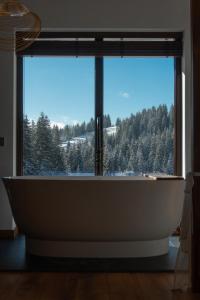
(93, 178)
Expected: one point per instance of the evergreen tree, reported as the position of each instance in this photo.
(143, 143)
(58, 162)
(43, 146)
(106, 121)
(28, 158)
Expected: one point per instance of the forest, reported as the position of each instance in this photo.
(142, 143)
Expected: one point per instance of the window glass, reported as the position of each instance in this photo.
(139, 116)
(58, 131)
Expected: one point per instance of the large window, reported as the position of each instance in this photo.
(100, 105)
(139, 101)
(58, 112)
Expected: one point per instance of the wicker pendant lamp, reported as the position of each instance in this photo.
(15, 17)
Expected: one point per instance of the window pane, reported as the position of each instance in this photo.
(139, 116)
(58, 112)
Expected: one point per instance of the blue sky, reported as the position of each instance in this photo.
(63, 88)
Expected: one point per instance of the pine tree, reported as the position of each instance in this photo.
(28, 157)
(144, 142)
(106, 121)
(169, 167)
(152, 154)
(43, 146)
(158, 161)
(58, 162)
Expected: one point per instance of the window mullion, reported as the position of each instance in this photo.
(99, 116)
(178, 117)
(20, 83)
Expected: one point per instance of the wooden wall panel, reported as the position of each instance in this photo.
(195, 22)
(195, 19)
(196, 236)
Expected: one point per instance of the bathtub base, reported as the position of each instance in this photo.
(84, 249)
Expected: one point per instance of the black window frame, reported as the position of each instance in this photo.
(100, 44)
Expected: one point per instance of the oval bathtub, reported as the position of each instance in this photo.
(96, 216)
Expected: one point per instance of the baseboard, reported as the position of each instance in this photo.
(8, 234)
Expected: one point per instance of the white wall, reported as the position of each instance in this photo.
(135, 15)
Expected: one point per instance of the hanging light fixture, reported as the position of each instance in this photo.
(19, 27)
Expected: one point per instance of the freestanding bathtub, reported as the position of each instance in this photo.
(96, 216)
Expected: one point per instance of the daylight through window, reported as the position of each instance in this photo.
(110, 113)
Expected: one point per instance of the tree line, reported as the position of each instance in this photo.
(143, 143)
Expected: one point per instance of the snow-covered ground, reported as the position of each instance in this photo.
(87, 137)
(111, 130)
(74, 141)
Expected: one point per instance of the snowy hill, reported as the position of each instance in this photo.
(87, 137)
(111, 130)
(73, 141)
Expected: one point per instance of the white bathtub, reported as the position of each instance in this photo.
(96, 216)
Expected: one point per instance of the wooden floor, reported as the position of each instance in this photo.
(95, 286)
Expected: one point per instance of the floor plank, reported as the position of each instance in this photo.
(89, 286)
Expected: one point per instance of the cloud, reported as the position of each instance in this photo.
(59, 120)
(59, 124)
(68, 121)
(124, 95)
(63, 121)
(74, 122)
